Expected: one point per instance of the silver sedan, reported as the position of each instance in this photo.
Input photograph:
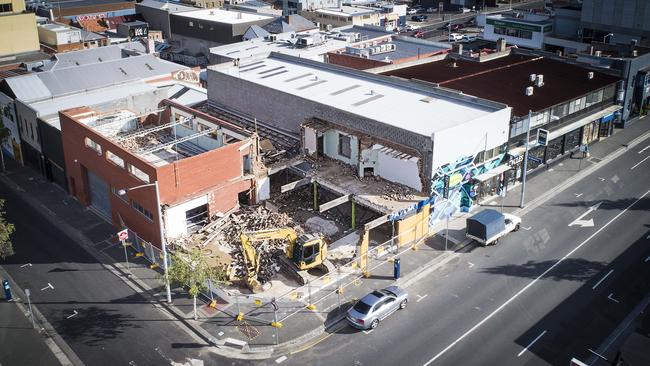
(376, 306)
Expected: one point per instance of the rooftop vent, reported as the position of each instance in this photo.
(529, 91)
(540, 81)
(598, 53)
(533, 77)
(590, 75)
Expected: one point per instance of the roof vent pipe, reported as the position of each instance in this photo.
(533, 77)
(590, 75)
(529, 91)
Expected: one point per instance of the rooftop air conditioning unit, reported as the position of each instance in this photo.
(590, 75)
(533, 77)
(529, 91)
(598, 53)
(540, 81)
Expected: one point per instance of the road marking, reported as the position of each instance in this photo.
(602, 279)
(639, 163)
(368, 331)
(578, 195)
(585, 223)
(644, 149)
(279, 360)
(597, 354)
(613, 299)
(73, 314)
(26, 265)
(527, 228)
(49, 285)
(420, 298)
(601, 179)
(648, 237)
(531, 343)
(456, 296)
(471, 264)
(515, 296)
(477, 308)
(312, 344)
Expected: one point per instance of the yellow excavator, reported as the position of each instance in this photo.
(302, 253)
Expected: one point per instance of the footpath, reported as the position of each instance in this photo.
(253, 337)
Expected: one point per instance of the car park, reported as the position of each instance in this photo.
(376, 306)
(419, 18)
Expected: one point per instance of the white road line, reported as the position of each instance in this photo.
(601, 179)
(420, 298)
(73, 314)
(639, 163)
(648, 237)
(368, 331)
(281, 359)
(498, 310)
(578, 195)
(527, 228)
(471, 264)
(613, 299)
(602, 279)
(531, 343)
(26, 265)
(49, 285)
(644, 149)
(597, 354)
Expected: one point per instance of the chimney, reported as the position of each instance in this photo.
(598, 53)
(540, 81)
(635, 53)
(529, 91)
(533, 77)
(590, 75)
(501, 45)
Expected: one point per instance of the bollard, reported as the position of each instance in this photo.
(396, 268)
(7, 288)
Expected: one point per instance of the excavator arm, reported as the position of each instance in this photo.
(251, 255)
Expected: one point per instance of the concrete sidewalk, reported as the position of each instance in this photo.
(254, 337)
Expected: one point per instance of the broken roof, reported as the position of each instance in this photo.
(505, 80)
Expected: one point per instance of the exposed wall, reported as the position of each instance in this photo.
(175, 218)
(18, 34)
(157, 18)
(394, 169)
(331, 147)
(354, 62)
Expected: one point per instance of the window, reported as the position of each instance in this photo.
(139, 173)
(190, 23)
(115, 159)
(138, 207)
(116, 191)
(499, 30)
(5, 8)
(345, 149)
(201, 127)
(184, 120)
(525, 34)
(93, 145)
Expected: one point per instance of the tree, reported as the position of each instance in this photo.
(5, 134)
(6, 229)
(191, 269)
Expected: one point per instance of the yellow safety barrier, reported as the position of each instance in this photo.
(139, 254)
(154, 266)
(276, 324)
(311, 307)
(258, 302)
(240, 317)
(213, 304)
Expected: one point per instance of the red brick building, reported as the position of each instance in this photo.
(203, 166)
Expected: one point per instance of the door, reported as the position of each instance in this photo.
(99, 195)
(319, 145)
(309, 253)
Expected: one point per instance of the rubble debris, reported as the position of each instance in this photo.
(319, 225)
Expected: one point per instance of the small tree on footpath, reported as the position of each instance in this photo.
(191, 269)
(6, 229)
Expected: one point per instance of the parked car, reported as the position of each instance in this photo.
(456, 27)
(455, 37)
(376, 306)
(432, 10)
(411, 11)
(418, 34)
(488, 226)
(444, 26)
(467, 38)
(419, 18)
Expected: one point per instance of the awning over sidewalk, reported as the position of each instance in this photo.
(492, 173)
(583, 121)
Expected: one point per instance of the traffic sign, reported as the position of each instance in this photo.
(542, 137)
(123, 235)
(534, 159)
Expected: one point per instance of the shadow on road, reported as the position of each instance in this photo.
(642, 205)
(93, 325)
(570, 269)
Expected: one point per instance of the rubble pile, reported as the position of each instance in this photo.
(396, 192)
(140, 142)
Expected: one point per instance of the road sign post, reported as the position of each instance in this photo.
(123, 236)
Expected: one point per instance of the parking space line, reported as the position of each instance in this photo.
(280, 359)
(530, 344)
(613, 299)
(597, 354)
(420, 298)
(368, 331)
(602, 279)
(639, 163)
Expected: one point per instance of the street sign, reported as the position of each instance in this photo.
(542, 137)
(534, 159)
(123, 235)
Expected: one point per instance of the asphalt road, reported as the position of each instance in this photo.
(545, 294)
(103, 320)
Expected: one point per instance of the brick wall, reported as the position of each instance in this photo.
(354, 62)
(217, 173)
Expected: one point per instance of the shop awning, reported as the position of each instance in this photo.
(492, 173)
(583, 121)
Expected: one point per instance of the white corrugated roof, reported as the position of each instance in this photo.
(224, 16)
(354, 92)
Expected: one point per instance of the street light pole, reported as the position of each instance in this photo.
(523, 176)
(163, 243)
